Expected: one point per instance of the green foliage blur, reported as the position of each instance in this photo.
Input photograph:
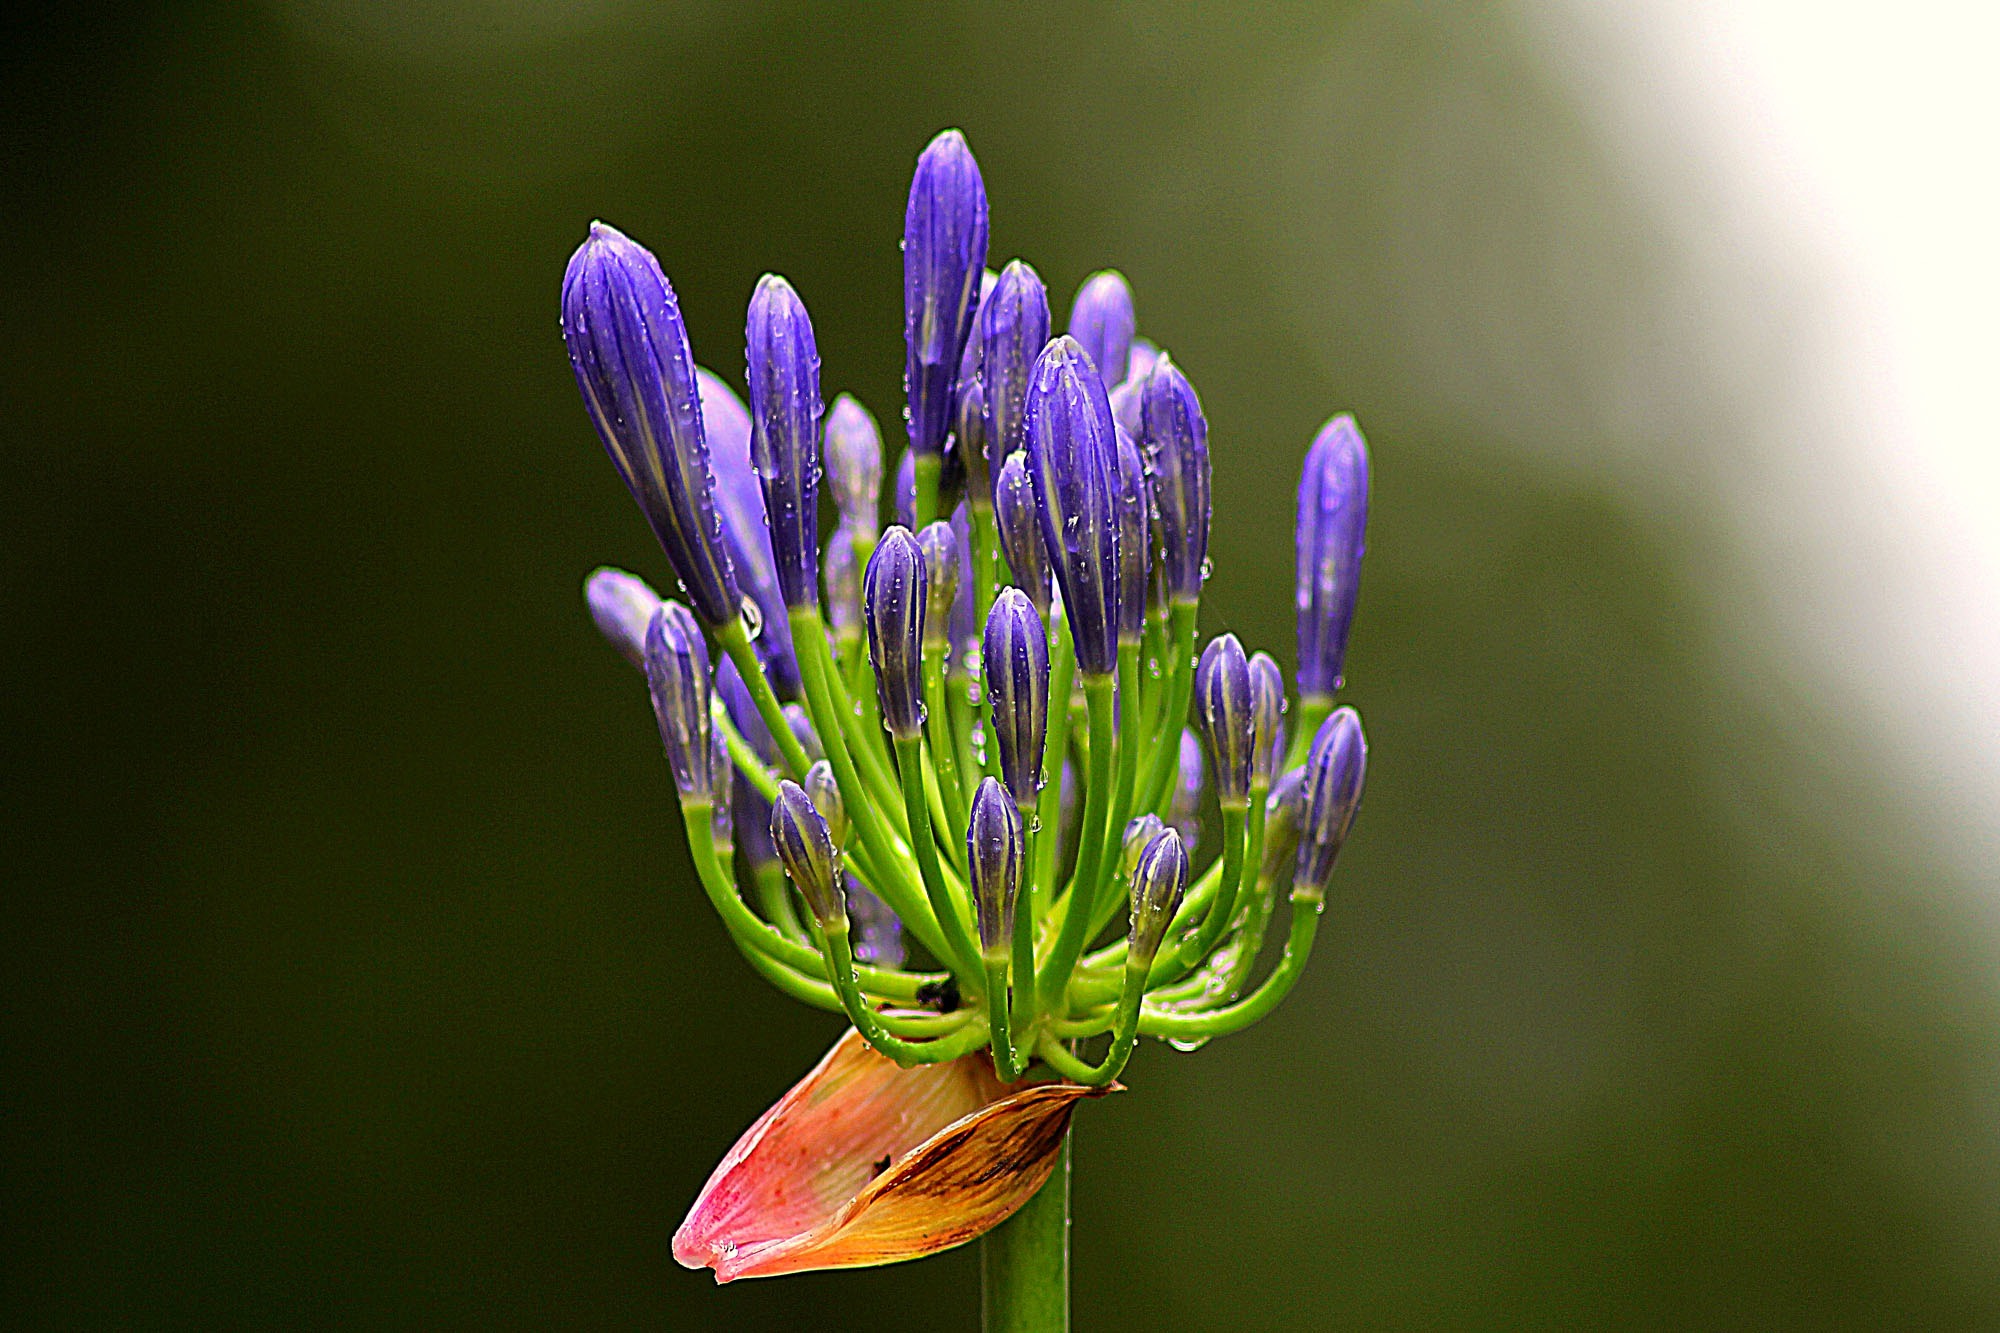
(354, 975)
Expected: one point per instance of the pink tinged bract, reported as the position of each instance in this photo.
(866, 1163)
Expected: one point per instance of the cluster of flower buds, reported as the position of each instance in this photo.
(946, 776)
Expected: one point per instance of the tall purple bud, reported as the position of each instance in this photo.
(969, 433)
(1072, 461)
(629, 350)
(1159, 879)
(995, 851)
(944, 256)
(1020, 530)
(1267, 709)
(854, 465)
(1013, 328)
(677, 677)
(1101, 319)
(1184, 802)
(1332, 533)
(1222, 702)
(746, 535)
(939, 544)
(806, 846)
(1335, 770)
(1016, 656)
(784, 431)
(893, 602)
(622, 605)
(1176, 442)
(1135, 538)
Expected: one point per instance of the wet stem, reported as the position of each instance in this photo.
(1024, 1262)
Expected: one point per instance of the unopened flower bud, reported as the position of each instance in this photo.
(1134, 538)
(800, 722)
(995, 850)
(1267, 712)
(1102, 320)
(1158, 881)
(1222, 703)
(1332, 533)
(1016, 656)
(810, 856)
(944, 257)
(721, 793)
(824, 793)
(939, 545)
(1176, 447)
(1139, 831)
(622, 605)
(1072, 461)
(842, 573)
(677, 676)
(1335, 771)
(1190, 779)
(893, 603)
(1020, 530)
(1013, 328)
(1284, 813)
(746, 532)
(968, 430)
(854, 464)
(784, 438)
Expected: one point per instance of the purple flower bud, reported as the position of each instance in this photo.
(944, 256)
(854, 464)
(1101, 319)
(803, 733)
(1267, 709)
(677, 676)
(1020, 530)
(622, 605)
(1158, 881)
(842, 573)
(806, 847)
(939, 545)
(893, 603)
(963, 626)
(1284, 811)
(1332, 532)
(1072, 460)
(1184, 803)
(750, 812)
(824, 792)
(906, 490)
(1222, 702)
(1334, 773)
(1135, 539)
(1139, 831)
(878, 931)
(1177, 458)
(1144, 354)
(1016, 655)
(995, 850)
(969, 432)
(1013, 329)
(745, 533)
(784, 438)
(751, 815)
(629, 350)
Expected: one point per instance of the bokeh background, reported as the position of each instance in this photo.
(353, 975)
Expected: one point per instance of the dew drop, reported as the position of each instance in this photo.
(1187, 1044)
(753, 618)
(1207, 568)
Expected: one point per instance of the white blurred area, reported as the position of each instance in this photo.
(1837, 167)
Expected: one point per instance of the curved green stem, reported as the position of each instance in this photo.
(1124, 1035)
(1048, 801)
(1313, 710)
(873, 1026)
(735, 641)
(1024, 998)
(938, 732)
(949, 909)
(1131, 742)
(1180, 684)
(1236, 1017)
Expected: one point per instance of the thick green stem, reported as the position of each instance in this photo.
(735, 641)
(1024, 1262)
(1313, 710)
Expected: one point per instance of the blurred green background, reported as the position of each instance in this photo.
(353, 972)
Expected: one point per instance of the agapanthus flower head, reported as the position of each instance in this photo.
(677, 676)
(1332, 533)
(784, 437)
(1267, 710)
(1228, 720)
(811, 858)
(854, 465)
(622, 605)
(1016, 657)
(1135, 523)
(1020, 530)
(939, 544)
(1159, 879)
(823, 790)
(1013, 329)
(746, 533)
(994, 850)
(1335, 771)
(893, 598)
(1101, 319)
(1072, 461)
(629, 349)
(1176, 446)
(944, 257)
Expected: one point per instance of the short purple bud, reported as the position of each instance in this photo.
(1013, 328)
(1284, 813)
(939, 544)
(629, 349)
(1072, 461)
(1016, 657)
(677, 676)
(995, 850)
(1332, 533)
(906, 490)
(810, 856)
(1176, 445)
(784, 438)
(944, 258)
(622, 605)
(1159, 879)
(1102, 320)
(1144, 354)
(1222, 703)
(1190, 779)
(1335, 771)
(824, 793)
(893, 602)
(969, 434)
(1135, 538)
(1267, 711)
(1020, 530)
(854, 465)
(1139, 831)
